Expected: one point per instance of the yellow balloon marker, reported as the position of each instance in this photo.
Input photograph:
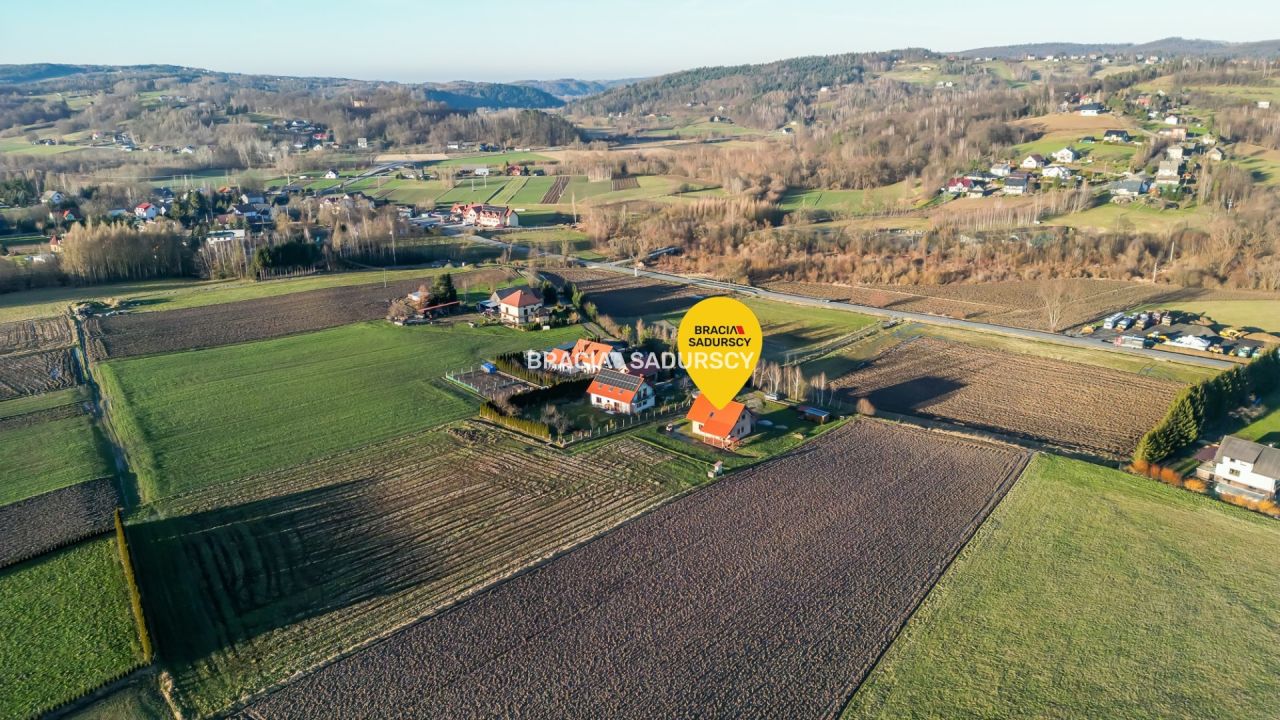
(720, 344)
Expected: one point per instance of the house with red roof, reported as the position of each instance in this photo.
(517, 305)
(481, 215)
(585, 356)
(146, 211)
(620, 392)
(723, 427)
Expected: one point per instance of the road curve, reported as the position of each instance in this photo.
(940, 320)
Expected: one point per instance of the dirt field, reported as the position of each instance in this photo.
(37, 372)
(767, 595)
(46, 522)
(247, 320)
(1056, 122)
(1020, 303)
(41, 334)
(623, 296)
(254, 580)
(1080, 407)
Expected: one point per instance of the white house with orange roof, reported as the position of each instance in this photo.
(620, 392)
(585, 356)
(517, 305)
(723, 427)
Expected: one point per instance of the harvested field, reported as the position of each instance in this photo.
(769, 594)
(46, 522)
(257, 579)
(247, 320)
(553, 193)
(623, 296)
(37, 372)
(41, 334)
(1015, 303)
(626, 183)
(1081, 407)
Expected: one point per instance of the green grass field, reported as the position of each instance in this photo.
(532, 191)
(45, 401)
(50, 455)
(1265, 429)
(68, 627)
(139, 699)
(197, 418)
(179, 293)
(848, 201)
(1134, 217)
(1261, 314)
(789, 328)
(490, 159)
(1090, 593)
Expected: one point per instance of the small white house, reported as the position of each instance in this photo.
(1001, 169)
(52, 197)
(1066, 155)
(1057, 171)
(517, 305)
(331, 174)
(146, 211)
(1034, 161)
(1250, 469)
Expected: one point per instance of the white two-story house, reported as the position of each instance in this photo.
(1246, 468)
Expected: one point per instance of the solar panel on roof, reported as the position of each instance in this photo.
(621, 380)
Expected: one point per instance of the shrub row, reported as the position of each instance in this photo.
(512, 363)
(1206, 403)
(135, 598)
(533, 428)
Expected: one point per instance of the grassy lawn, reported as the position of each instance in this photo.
(1134, 216)
(140, 699)
(789, 328)
(1261, 314)
(532, 191)
(181, 293)
(850, 201)
(787, 432)
(1265, 429)
(50, 455)
(278, 403)
(490, 159)
(1091, 593)
(45, 401)
(68, 627)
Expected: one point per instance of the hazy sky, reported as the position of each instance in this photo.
(500, 40)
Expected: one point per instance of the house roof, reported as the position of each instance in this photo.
(518, 297)
(1265, 459)
(716, 422)
(616, 385)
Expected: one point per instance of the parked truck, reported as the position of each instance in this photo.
(1131, 341)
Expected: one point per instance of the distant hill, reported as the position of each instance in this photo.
(472, 95)
(735, 84)
(460, 95)
(1165, 46)
(572, 89)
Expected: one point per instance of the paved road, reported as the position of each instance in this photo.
(939, 320)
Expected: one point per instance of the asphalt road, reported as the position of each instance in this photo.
(1037, 335)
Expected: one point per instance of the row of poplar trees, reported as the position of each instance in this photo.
(1206, 403)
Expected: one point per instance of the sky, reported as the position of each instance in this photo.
(505, 40)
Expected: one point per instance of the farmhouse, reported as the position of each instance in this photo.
(1121, 136)
(1215, 154)
(331, 174)
(1169, 172)
(1001, 169)
(1245, 468)
(481, 215)
(724, 427)
(1173, 133)
(961, 186)
(1017, 184)
(1092, 109)
(620, 392)
(517, 305)
(1126, 190)
(1034, 161)
(1057, 171)
(52, 197)
(146, 211)
(1066, 155)
(1174, 152)
(585, 355)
